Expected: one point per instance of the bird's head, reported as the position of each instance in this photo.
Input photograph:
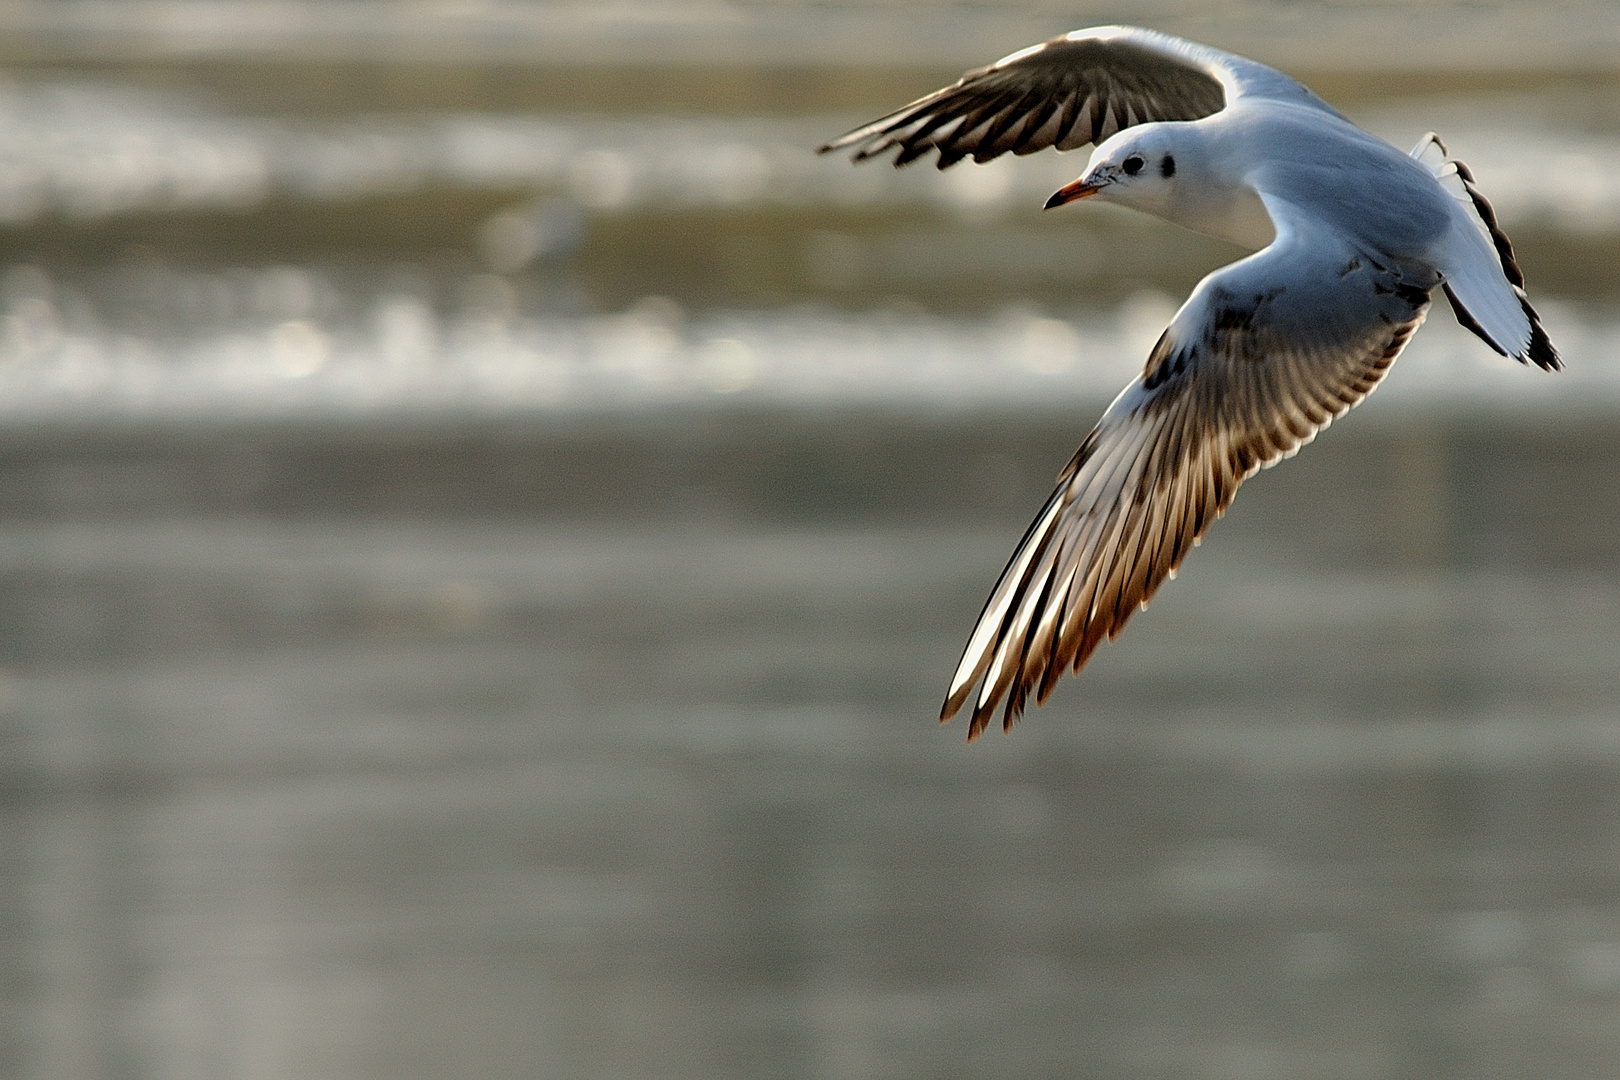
(1138, 167)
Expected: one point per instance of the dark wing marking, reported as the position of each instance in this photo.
(1077, 89)
(1449, 171)
(1245, 376)
(1540, 351)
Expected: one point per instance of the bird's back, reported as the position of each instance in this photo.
(1352, 183)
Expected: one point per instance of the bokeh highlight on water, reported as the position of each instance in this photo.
(483, 534)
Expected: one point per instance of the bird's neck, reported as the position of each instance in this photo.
(1212, 194)
(1230, 211)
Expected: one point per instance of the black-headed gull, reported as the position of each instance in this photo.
(1352, 236)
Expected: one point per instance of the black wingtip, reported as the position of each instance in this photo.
(1541, 352)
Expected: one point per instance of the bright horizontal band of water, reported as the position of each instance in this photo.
(403, 357)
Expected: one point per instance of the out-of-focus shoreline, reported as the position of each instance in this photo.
(1363, 36)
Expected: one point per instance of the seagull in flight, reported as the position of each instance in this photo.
(1350, 237)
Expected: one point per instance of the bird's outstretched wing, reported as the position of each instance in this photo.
(1472, 269)
(1264, 354)
(1072, 90)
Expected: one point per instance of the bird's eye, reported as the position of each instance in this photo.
(1132, 165)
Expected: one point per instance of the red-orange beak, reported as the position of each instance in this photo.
(1068, 193)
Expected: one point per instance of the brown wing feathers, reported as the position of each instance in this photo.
(1065, 93)
(1140, 492)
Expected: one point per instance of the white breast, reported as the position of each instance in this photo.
(1231, 213)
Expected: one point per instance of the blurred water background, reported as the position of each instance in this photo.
(486, 517)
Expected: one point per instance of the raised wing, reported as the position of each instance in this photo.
(1265, 353)
(1076, 89)
(1472, 269)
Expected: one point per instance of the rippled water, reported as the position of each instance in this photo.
(169, 257)
(515, 750)
(482, 542)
